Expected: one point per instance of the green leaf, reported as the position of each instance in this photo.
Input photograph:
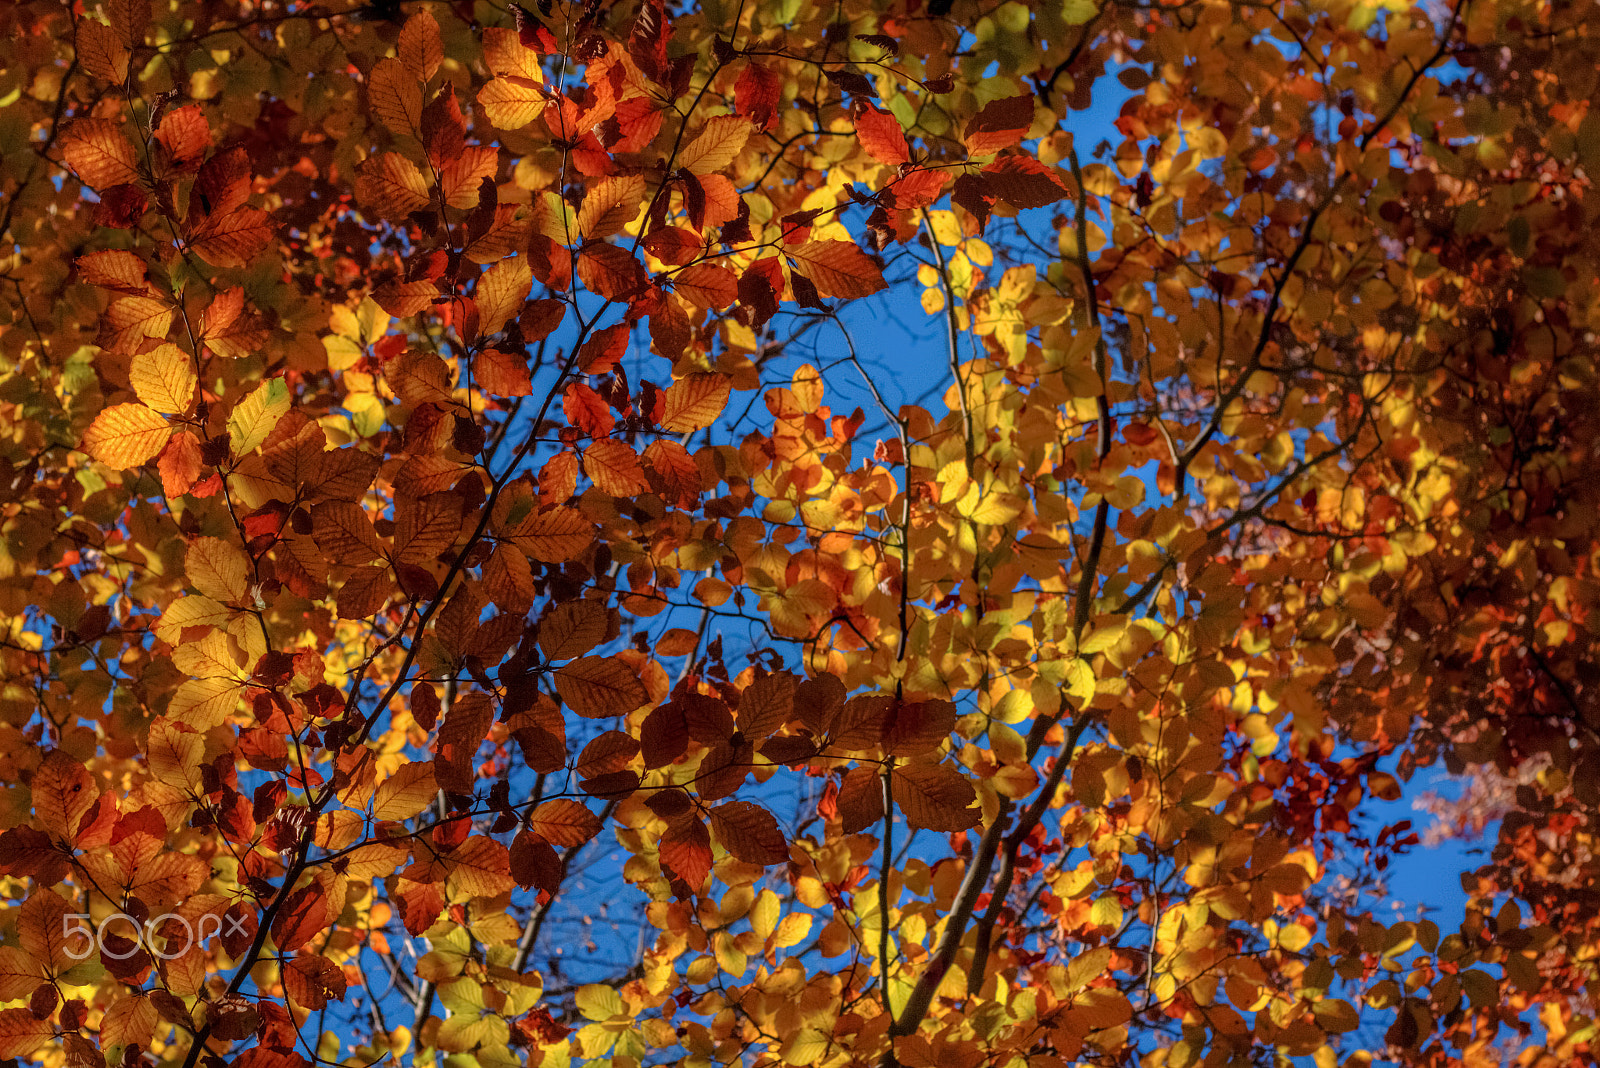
(1078, 12)
(254, 417)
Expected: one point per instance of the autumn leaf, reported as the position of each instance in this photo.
(716, 145)
(598, 686)
(1001, 124)
(563, 822)
(935, 797)
(22, 1033)
(614, 468)
(126, 435)
(694, 402)
(253, 418)
(880, 134)
(99, 153)
(407, 792)
(749, 832)
(391, 185)
(838, 269)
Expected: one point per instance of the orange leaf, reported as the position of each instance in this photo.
(63, 792)
(504, 374)
(420, 49)
(678, 474)
(1024, 182)
(126, 435)
(572, 629)
(179, 464)
(750, 833)
(614, 468)
(838, 269)
(758, 93)
(860, 800)
(599, 686)
(694, 401)
(880, 134)
(115, 269)
(234, 239)
(563, 822)
(305, 914)
(99, 153)
(100, 51)
(707, 285)
(674, 245)
(587, 410)
(501, 293)
(552, 537)
(610, 206)
(424, 527)
(310, 982)
(405, 299)
(558, 478)
(608, 753)
(185, 134)
(479, 867)
(22, 1033)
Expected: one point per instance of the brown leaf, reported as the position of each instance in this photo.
(860, 800)
(597, 686)
(1001, 124)
(935, 797)
(749, 832)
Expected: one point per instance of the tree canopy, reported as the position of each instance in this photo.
(473, 591)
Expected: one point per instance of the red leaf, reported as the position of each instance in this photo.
(686, 852)
(880, 134)
(586, 410)
(757, 93)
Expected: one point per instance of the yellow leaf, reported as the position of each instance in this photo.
(716, 146)
(163, 378)
(126, 435)
(218, 569)
(407, 792)
(501, 292)
(396, 97)
(513, 102)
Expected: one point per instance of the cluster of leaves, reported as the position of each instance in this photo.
(402, 587)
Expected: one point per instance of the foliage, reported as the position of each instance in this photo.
(437, 568)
